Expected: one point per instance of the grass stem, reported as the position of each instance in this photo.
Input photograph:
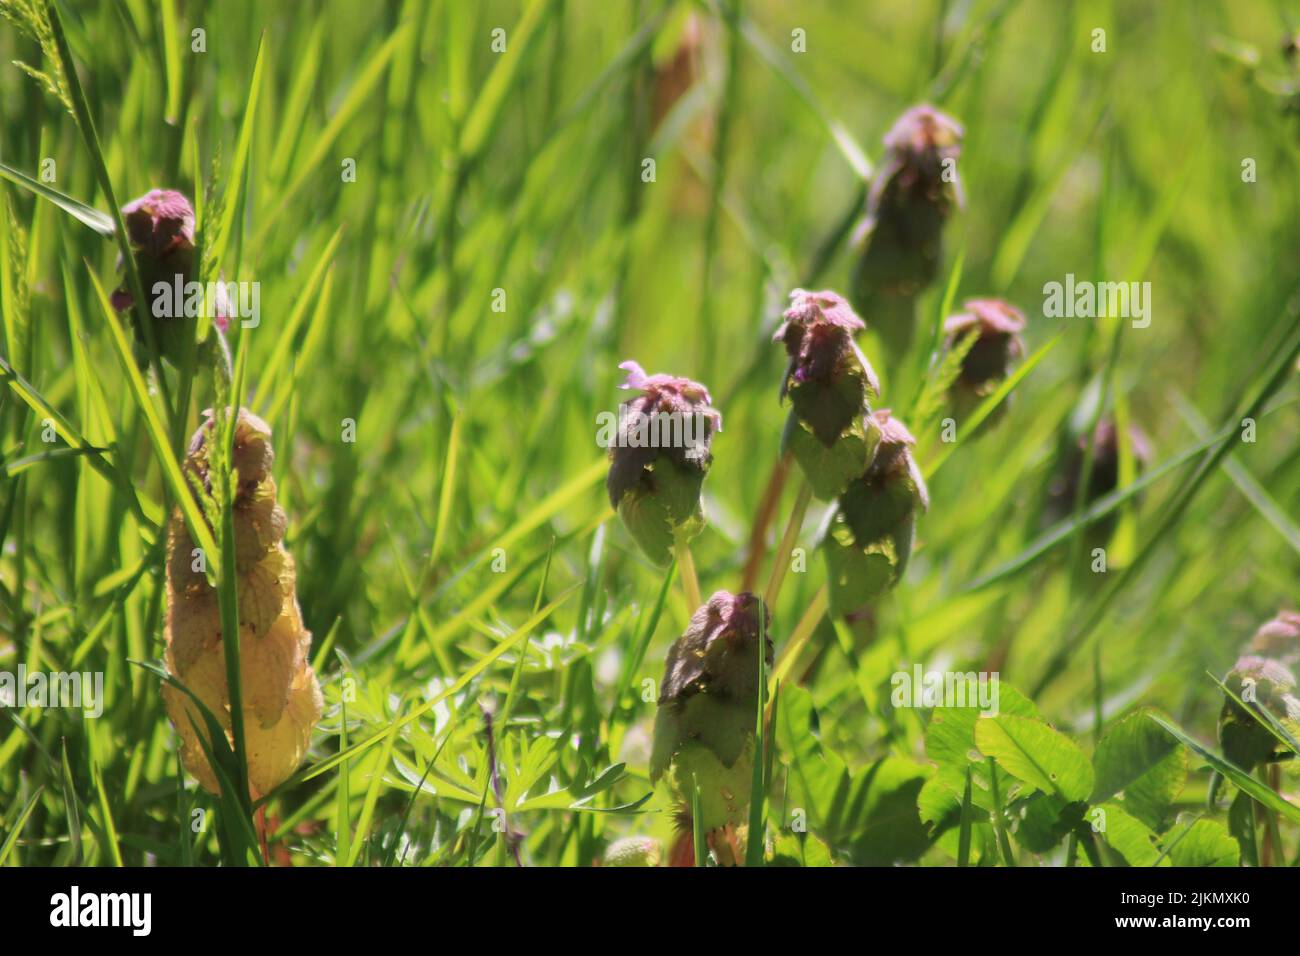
(782, 556)
(690, 583)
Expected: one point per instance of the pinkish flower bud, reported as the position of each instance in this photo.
(1260, 682)
(901, 237)
(658, 459)
(1279, 638)
(869, 541)
(1103, 477)
(160, 226)
(634, 851)
(996, 349)
(829, 382)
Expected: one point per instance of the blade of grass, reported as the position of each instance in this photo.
(99, 221)
(1243, 780)
(167, 463)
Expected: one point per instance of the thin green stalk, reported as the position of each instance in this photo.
(86, 125)
(784, 550)
(726, 109)
(803, 631)
(1275, 373)
(690, 583)
(999, 827)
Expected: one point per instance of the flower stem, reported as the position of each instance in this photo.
(686, 570)
(799, 638)
(787, 545)
(766, 511)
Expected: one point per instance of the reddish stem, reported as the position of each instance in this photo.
(762, 521)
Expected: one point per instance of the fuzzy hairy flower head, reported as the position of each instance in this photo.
(1279, 638)
(668, 393)
(893, 461)
(159, 221)
(998, 345)
(922, 138)
(704, 725)
(829, 383)
(659, 458)
(869, 541)
(922, 148)
(160, 227)
(715, 655)
(817, 331)
(901, 235)
(1259, 682)
(1104, 477)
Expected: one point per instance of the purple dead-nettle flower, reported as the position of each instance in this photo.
(996, 348)
(1103, 476)
(159, 221)
(160, 226)
(1279, 638)
(1262, 683)
(912, 196)
(818, 331)
(918, 144)
(893, 460)
(829, 383)
(659, 457)
(869, 540)
(704, 726)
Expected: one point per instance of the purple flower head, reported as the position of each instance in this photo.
(668, 393)
(998, 345)
(893, 458)
(900, 237)
(658, 458)
(160, 227)
(1279, 638)
(1105, 449)
(159, 221)
(817, 332)
(1275, 676)
(918, 144)
(716, 654)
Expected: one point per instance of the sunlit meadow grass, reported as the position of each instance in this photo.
(458, 239)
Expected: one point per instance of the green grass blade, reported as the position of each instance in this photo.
(99, 221)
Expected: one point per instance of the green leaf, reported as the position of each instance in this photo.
(1043, 820)
(1130, 837)
(1207, 843)
(16, 831)
(1036, 754)
(828, 469)
(1241, 824)
(101, 222)
(231, 201)
(870, 814)
(1131, 749)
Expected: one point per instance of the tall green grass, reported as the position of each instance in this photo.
(461, 553)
